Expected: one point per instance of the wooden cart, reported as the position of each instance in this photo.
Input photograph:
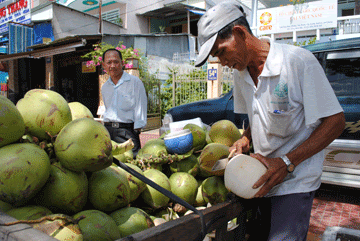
(186, 228)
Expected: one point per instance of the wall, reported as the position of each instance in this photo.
(137, 24)
(162, 45)
(120, 6)
(68, 22)
(134, 23)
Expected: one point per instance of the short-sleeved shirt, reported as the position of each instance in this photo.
(292, 95)
(126, 101)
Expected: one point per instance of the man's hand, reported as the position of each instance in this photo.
(275, 174)
(242, 145)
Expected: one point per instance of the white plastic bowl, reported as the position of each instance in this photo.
(241, 173)
(175, 134)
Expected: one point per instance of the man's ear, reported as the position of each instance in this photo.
(239, 30)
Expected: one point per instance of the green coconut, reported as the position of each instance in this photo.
(199, 200)
(184, 186)
(125, 157)
(122, 148)
(189, 165)
(199, 136)
(4, 206)
(154, 148)
(208, 139)
(131, 220)
(65, 191)
(109, 189)
(214, 190)
(136, 185)
(24, 170)
(84, 145)
(224, 132)
(12, 126)
(97, 225)
(31, 212)
(79, 110)
(60, 227)
(151, 196)
(210, 155)
(45, 112)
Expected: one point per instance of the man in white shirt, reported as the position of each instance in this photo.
(293, 113)
(125, 101)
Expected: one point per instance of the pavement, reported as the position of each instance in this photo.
(333, 206)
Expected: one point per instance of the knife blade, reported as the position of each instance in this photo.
(222, 163)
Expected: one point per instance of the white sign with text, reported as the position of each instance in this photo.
(299, 17)
(17, 11)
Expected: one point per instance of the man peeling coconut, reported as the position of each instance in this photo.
(293, 113)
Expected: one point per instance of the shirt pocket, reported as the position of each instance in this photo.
(280, 122)
(126, 102)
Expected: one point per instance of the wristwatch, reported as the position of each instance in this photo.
(290, 167)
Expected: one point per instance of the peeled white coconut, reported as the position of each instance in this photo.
(198, 208)
(241, 173)
(158, 221)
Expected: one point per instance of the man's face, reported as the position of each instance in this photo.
(231, 52)
(113, 64)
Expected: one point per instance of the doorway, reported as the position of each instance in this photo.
(73, 84)
(31, 75)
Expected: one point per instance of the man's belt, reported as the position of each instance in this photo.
(119, 125)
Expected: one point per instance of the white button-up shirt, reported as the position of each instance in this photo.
(126, 101)
(292, 95)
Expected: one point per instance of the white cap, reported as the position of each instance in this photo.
(209, 25)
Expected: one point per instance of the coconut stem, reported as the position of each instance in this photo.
(76, 221)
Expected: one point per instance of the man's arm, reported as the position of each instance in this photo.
(330, 128)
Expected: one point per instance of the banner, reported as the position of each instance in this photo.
(17, 11)
(299, 17)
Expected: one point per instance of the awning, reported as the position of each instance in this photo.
(172, 10)
(60, 46)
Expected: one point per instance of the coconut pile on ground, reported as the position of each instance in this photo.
(56, 169)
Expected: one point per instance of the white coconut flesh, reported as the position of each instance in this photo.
(241, 173)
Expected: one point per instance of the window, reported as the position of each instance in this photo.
(112, 16)
(343, 72)
(176, 29)
(347, 12)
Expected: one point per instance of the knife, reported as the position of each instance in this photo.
(222, 163)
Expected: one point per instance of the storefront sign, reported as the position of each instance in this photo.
(17, 11)
(299, 17)
(88, 69)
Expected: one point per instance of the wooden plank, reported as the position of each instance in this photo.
(189, 227)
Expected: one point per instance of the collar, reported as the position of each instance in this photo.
(124, 78)
(274, 59)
